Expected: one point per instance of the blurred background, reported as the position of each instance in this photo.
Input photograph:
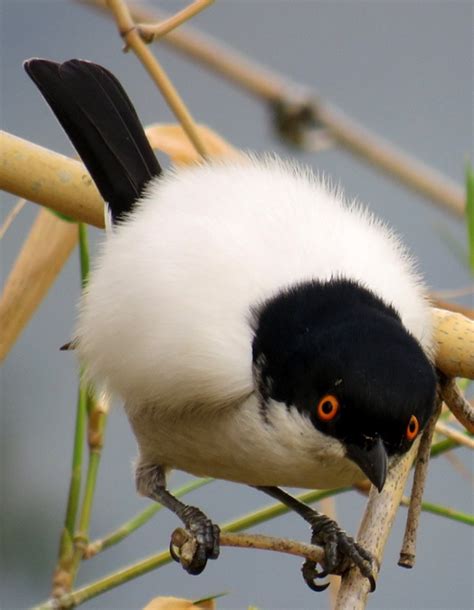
(405, 70)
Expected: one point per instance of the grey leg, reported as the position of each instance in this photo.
(340, 549)
(151, 482)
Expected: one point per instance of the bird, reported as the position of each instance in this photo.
(259, 327)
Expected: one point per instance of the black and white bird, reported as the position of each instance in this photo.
(259, 328)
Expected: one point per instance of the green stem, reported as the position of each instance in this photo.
(449, 513)
(141, 518)
(97, 421)
(75, 484)
(83, 253)
(443, 446)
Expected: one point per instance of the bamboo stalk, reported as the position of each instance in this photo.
(454, 339)
(50, 179)
(44, 252)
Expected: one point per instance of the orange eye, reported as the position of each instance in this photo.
(328, 407)
(412, 428)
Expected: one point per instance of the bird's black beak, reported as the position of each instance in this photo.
(372, 460)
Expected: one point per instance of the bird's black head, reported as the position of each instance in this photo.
(342, 357)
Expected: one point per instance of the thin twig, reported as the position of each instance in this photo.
(311, 109)
(129, 32)
(408, 551)
(12, 214)
(460, 407)
(460, 437)
(152, 32)
(185, 544)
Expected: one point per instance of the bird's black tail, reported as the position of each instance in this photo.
(103, 126)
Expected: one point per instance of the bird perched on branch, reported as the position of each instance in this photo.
(258, 328)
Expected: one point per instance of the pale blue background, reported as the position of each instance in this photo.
(402, 68)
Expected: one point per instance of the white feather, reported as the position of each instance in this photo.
(165, 319)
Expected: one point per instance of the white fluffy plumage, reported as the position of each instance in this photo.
(165, 321)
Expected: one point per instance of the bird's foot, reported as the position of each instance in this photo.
(341, 552)
(193, 546)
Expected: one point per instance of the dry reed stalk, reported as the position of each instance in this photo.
(44, 252)
(50, 179)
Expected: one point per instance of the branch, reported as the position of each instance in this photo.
(302, 109)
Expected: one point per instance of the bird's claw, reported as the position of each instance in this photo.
(193, 546)
(341, 552)
(311, 574)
